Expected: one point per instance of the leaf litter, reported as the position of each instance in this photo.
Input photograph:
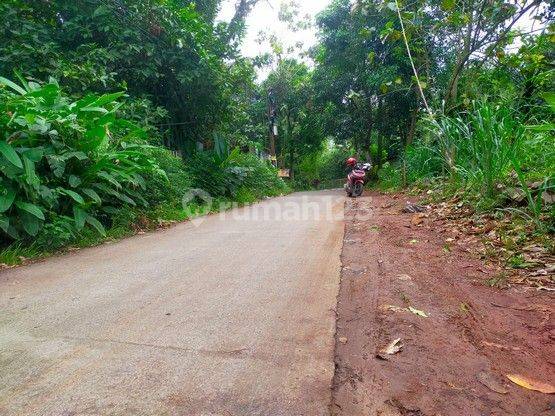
(393, 347)
(531, 384)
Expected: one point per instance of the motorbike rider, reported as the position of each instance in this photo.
(351, 165)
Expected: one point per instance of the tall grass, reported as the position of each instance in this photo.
(475, 148)
(484, 150)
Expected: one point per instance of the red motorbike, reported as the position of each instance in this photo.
(356, 179)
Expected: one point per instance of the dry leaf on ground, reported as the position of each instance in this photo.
(491, 383)
(531, 384)
(417, 219)
(392, 348)
(392, 308)
(404, 277)
(418, 312)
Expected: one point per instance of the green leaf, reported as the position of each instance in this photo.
(549, 97)
(31, 224)
(109, 178)
(74, 195)
(23, 81)
(74, 181)
(100, 11)
(448, 4)
(30, 176)
(95, 110)
(6, 200)
(4, 223)
(12, 85)
(107, 99)
(95, 137)
(80, 216)
(542, 127)
(92, 194)
(78, 155)
(12, 232)
(96, 224)
(124, 198)
(31, 209)
(9, 153)
(35, 154)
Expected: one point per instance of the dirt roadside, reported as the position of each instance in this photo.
(455, 360)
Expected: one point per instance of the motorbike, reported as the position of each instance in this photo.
(356, 179)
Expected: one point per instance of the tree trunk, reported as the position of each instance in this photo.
(412, 128)
(380, 136)
(291, 147)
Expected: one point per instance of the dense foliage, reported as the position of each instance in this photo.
(77, 159)
(111, 110)
(64, 161)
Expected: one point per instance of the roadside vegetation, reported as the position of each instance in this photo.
(111, 111)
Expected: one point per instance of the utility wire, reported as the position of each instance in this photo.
(411, 61)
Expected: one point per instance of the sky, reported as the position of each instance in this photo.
(264, 16)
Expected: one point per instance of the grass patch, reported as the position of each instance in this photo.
(17, 253)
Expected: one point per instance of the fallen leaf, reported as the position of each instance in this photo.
(500, 346)
(392, 348)
(392, 308)
(342, 340)
(417, 219)
(535, 249)
(414, 241)
(548, 198)
(453, 386)
(531, 384)
(491, 383)
(404, 277)
(418, 312)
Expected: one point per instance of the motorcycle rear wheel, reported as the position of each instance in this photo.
(358, 188)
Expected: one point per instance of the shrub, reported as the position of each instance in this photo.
(224, 176)
(170, 186)
(258, 176)
(65, 163)
(475, 148)
(206, 173)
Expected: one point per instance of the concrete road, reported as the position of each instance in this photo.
(232, 316)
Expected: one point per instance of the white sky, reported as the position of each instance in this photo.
(264, 16)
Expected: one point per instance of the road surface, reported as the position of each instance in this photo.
(231, 316)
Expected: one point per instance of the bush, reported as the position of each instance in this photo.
(206, 173)
(485, 151)
(390, 176)
(473, 148)
(226, 176)
(259, 177)
(63, 163)
(170, 186)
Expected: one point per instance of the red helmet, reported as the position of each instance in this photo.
(351, 161)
